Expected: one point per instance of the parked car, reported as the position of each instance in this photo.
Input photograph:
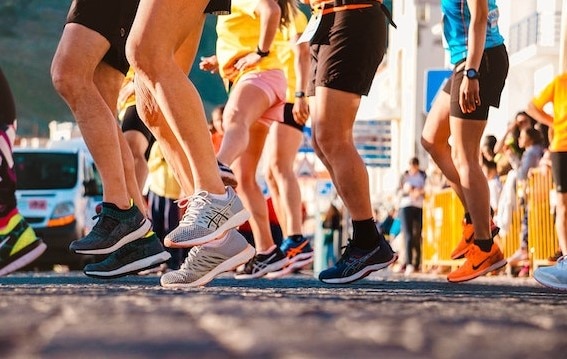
(57, 189)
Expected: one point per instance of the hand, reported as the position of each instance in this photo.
(246, 61)
(469, 95)
(300, 110)
(210, 64)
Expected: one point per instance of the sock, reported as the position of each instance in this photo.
(365, 234)
(296, 237)
(268, 251)
(468, 219)
(484, 244)
(218, 196)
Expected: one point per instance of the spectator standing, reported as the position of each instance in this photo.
(412, 192)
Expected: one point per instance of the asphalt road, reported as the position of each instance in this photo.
(68, 315)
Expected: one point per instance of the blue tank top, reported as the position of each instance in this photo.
(456, 20)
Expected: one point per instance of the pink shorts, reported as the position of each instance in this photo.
(274, 85)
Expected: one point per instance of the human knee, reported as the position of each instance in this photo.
(142, 58)
(66, 79)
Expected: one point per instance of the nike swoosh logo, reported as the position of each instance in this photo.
(478, 266)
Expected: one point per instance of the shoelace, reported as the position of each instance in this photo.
(192, 205)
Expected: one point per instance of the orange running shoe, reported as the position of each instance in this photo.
(467, 239)
(478, 263)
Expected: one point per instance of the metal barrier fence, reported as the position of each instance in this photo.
(443, 216)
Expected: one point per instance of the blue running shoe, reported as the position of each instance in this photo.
(298, 253)
(356, 263)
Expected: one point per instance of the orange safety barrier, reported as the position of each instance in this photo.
(442, 225)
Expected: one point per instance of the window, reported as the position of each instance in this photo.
(43, 170)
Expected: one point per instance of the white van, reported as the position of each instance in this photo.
(57, 189)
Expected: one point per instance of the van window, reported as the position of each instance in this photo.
(45, 170)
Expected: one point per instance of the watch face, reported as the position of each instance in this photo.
(472, 74)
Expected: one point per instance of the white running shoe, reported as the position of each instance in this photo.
(206, 218)
(204, 263)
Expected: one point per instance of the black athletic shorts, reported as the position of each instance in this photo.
(559, 170)
(288, 117)
(133, 122)
(347, 49)
(112, 19)
(218, 7)
(493, 72)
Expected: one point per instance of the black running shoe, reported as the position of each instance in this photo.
(262, 264)
(141, 254)
(356, 263)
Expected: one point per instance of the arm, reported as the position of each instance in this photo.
(301, 67)
(269, 13)
(469, 94)
(539, 115)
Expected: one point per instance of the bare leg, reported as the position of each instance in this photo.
(158, 32)
(467, 135)
(78, 56)
(435, 140)
(333, 120)
(245, 170)
(284, 142)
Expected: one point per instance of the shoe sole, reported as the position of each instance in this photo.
(132, 268)
(24, 260)
(303, 260)
(232, 222)
(547, 285)
(362, 274)
(130, 237)
(226, 266)
(472, 276)
(270, 268)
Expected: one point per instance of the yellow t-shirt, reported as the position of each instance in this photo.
(283, 49)
(556, 92)
(131, 100)
(160, 177)
(238, 35)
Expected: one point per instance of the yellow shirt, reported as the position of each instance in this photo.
(131, 100)
(283, 49)
(238, 35)
(161, 178)
(556, 92)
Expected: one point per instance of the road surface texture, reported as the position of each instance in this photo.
(68, 315)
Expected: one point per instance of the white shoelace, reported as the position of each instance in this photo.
(193, 205)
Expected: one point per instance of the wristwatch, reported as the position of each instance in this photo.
(472, 74)
(299, 94)
(262, 53)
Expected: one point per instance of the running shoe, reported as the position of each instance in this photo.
(206, 218)
(133, 257)
(299, 254)
(227, 176)
(553, 276)
(263, 264)
(19, 245)
(466, 241)
(113, 229)
(478, 263)
(356, 263)
(204, 263)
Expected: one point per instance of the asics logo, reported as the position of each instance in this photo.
(216, 218)
(355, 264)
(292, 252)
